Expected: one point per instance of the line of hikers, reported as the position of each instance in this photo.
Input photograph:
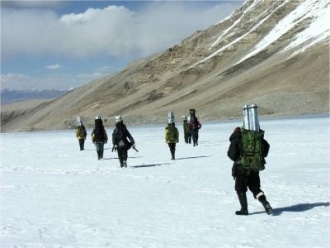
(248, 149)
(191, 126)
(122, 139)
(191, 130)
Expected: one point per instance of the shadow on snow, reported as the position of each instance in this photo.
(159, 164)
(192, 157)
(300, 207)
(147, 165)
(295, 208)
(116, 158)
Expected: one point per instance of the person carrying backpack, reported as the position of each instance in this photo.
(99, 137)
(186, 131)
(122, 141)
(171, 134)
(81, 135)
(248, 150)
(194, 126)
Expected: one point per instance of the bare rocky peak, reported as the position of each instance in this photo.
(266, 52)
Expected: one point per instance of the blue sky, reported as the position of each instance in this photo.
(65, 44)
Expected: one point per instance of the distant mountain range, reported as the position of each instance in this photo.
(14, 96)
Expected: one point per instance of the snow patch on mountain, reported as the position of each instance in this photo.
(234, 24)
(317, 11)
(318, 30)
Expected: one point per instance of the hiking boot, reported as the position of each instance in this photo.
(242, 212)
(265, 204)
(244, 206)
(267, 207)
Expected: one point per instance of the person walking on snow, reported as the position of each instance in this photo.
(81, 135)
(194, 127)
(189, 131)
(186, 131)
(171, 135)
(122, 141)
(248, 150)
(99, 137)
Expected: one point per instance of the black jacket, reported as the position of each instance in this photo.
(99, 135)
(235, 148)
(120, 133)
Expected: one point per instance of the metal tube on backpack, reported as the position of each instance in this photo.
(170, 117)
(250, 114)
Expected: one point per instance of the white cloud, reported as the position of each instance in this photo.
(19, 80)
(23, 81)
(112, 31)
(53, 67)
(110, 37)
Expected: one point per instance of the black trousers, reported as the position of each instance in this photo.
(81, 144)
(189, 138)
(172, 149)
(194, 135)
(249, 180)
(122, 155)
(186, 137)
(99, 150)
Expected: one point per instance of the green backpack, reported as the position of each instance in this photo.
(172, 133)
(252, 150)
(82, 132)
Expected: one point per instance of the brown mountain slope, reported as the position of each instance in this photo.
(200, 73)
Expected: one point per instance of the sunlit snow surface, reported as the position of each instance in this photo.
(53, 195)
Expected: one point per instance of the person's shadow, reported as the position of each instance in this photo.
(147, 165)
(192, 157)
(298, 208)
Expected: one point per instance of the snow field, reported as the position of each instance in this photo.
(53, 195)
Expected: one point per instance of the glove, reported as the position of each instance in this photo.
(133, 146)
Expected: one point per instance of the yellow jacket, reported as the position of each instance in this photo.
(81, 132)
(171, 134)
